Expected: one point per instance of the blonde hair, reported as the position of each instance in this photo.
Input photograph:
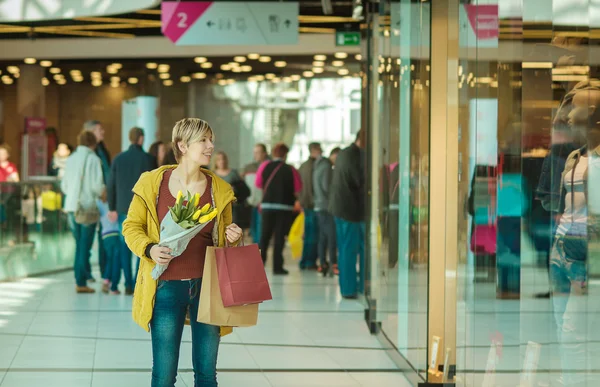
(188, 131)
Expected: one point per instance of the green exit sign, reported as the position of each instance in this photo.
(343, 38)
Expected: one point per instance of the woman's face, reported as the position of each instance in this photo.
(199, 152)
(3, 155)
(63, 150)
(220, 161)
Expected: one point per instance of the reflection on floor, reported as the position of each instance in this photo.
(307, 336)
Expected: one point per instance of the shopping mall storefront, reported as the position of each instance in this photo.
(484, 131)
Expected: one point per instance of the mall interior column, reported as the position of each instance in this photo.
(443, 181)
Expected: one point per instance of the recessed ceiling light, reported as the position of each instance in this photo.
(359, 57)
(269, 75)
(54, 70)
(163, 68)
(96, 82)
(236, 69)
(115, 79)
(317, 70)
(264, 59)
(234, 64)
(151, 65)
(225, 67)
(62, 82)
(13, 69)
(78, 79)
(58, 76)
(168, 82)
(199, 75)
(246, 68)
(240, 59)
(222, 82)
(75, 72)
(296, 77)
(318, 64)
(337, 63)
(280, 63)
(45, 63)
(165, 75)
(308, 74)
(133, 80)
(230, 81)
(96, 74)
(340, 55)
(117, 65)
(253, 56)
(185, 79)
(320, 57)
(206, 65)
(45, 81)
(287, 79)
(343, 72)
(115, 84)
(200, 59)
(8, 81)
(30, 60)
(112, 70)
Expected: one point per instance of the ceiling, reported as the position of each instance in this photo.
(147, 23)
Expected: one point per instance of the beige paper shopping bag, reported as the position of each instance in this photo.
(211, 310)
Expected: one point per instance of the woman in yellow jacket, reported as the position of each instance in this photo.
(162, 306)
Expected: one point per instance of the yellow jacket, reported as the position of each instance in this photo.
(142, 228)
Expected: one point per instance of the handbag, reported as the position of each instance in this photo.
(242, 277)
(269, 180)
(86, 216)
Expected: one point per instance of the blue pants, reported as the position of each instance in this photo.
(327, 238)
(84, 238)
(172, 302)
(125, 258)
(310, 247)
(255, 225)
(118, 257)
(351, 246)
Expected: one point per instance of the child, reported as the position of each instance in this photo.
(112, 245)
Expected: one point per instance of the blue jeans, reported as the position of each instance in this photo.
(327, 238)
(351, 246)
(174, 299)
(84, 238)
(310, 247)
(117, 258)
(125, 257)
(255, 225)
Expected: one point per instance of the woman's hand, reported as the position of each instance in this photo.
(233, 232)
(160, 255)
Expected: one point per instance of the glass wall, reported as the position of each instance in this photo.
(520, 280)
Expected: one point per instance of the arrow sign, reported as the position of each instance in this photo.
(231, 22)
(343, 38)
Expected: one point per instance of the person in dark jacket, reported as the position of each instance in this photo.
(306, 199)
(281, 184)
(347, 205)
(96, 127)
(126, 169)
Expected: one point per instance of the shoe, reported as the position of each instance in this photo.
(129, 291)
(105, 287)
(115, 292)
(84, 289)
(352, 297)
(281, 272)
(324, 269)
(335, 269)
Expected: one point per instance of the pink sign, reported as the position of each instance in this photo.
(178, 17)
(483, 20)
(34, 125)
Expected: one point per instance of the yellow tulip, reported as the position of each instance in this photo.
(208, 217)
(179, 196)
(196, 199)
(205, 208)
(196, 215)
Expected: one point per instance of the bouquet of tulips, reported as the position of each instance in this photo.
(182, 223)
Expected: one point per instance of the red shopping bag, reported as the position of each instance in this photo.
(242, 277)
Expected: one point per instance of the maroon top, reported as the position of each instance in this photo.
(190, 264)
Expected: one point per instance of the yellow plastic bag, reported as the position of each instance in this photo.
(296, 236)
(51, 201)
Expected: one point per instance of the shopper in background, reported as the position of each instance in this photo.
(333, 155)
(260, 156)
(281, 184)
(126, 169)
(8, 170)
(59, 160)
(158, 151)
(82, 186)
(111, 236)
(240, 189)
(322, 176)
(162, 306)
(347, 205)
(311, 225)
(97, 129)
(169, 156)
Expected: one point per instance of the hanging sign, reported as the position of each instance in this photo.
(196, 23)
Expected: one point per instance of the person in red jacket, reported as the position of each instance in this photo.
(8, 170)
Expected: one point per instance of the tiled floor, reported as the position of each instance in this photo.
(307, 336)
